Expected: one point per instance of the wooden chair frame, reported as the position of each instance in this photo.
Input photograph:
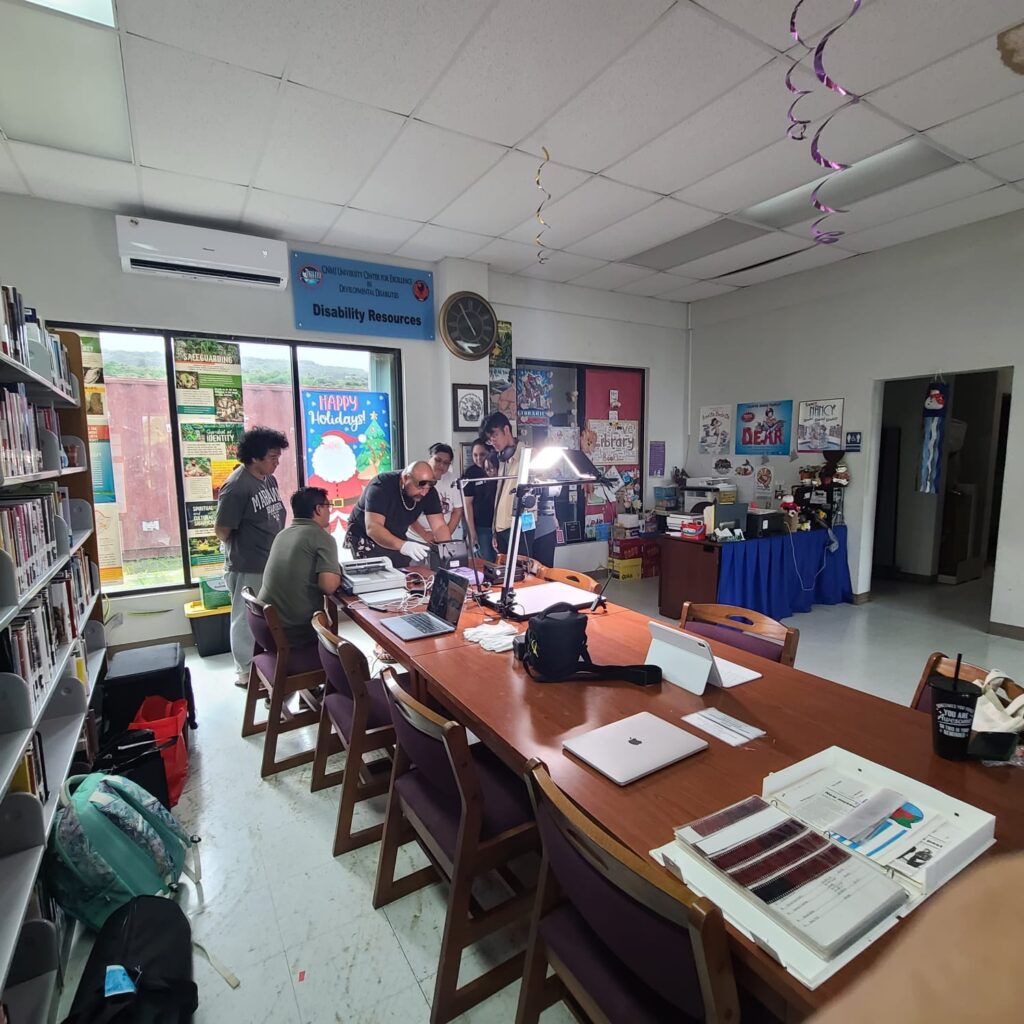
(279, 718)
(358, 781)
(466, 922)
(939, 664)
(639, 879)
(568, 576)
(757, 625)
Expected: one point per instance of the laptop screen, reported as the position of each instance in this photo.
(447, 596)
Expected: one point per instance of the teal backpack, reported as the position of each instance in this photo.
(113, 840)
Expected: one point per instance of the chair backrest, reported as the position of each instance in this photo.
(742, 628)
(343, 663)
(264, 623)
(436, 746)
(666, 936)
(569, 576)
(939, 665)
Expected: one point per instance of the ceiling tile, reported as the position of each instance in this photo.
(301, 220)
(746, 119)
(964, 211)
(656, 284)
(312, 150)
(168, 196)
(684, 62)
(561, 266)
(1007, 163)
(888, 39)
(384, 54)
(768, 20)
(255, 34)
(196, 115)
(435, 243)
(10, 177)
(538, 53)
(984, 131)
(507, 194)
(424, 171)
(62, 84)
(593, 206)
(74, 178)
(696, 292)
(817, 256)
(855, 133)
(508, 257)
(664, 220)
(612, 276)
(968, 80)
(746, 254)
(359, 229)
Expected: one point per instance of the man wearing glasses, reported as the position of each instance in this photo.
(391, 503)
(302, 567)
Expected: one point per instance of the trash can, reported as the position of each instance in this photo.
(211, 628)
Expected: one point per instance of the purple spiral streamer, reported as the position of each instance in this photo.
(797, 129)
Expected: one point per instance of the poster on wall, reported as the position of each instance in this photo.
(346, 442)
(563, 437)
(617, 442)
(764, 428)
(502, 386)
(764, 478)
(819, 426)
(715, 434)
(533, 395)
(208, 397)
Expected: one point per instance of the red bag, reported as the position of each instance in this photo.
(166, 720)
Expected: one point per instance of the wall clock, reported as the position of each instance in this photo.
(469, 326)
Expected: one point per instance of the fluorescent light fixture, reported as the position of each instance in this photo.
(872, 176)
(99, 11)
(722, 234)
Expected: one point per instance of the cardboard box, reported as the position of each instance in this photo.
(631, 548)
(625, 532)
(626, 568)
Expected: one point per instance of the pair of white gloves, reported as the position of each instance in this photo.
(415, 550)
(497, 637)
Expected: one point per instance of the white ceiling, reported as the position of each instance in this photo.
(416, 129)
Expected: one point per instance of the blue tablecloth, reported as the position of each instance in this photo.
(783, 574)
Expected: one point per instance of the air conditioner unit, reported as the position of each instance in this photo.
(177, 250)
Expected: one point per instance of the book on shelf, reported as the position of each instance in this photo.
(30, 775)
(20, 326)
(13, 336)
(831, 854)
(28, 533)
(28, 648)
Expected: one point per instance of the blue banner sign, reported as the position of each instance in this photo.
(352, 297)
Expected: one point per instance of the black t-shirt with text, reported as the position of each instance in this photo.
(384, 495)
(483, 495)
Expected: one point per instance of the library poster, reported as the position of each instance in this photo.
(533, 395)
(819, 426)
(764, 428)
(502, 385)
(208, 397)
(715, 436)
(108, 542)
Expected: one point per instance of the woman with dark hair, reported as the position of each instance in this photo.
(448, 492)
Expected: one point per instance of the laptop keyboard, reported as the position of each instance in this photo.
(421, 621)
(731, 674)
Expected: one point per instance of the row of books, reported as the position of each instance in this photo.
(30, 775)
(20, 450)
(20, 326)
(28, 534)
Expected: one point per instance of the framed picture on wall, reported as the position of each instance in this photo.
(469, 406)
(465, 456)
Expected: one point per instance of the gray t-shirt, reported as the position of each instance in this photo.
(253, 510)
(300, 553)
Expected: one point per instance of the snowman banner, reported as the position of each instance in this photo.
(346, 442)
(933, 430)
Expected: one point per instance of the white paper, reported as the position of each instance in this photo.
(726, 728)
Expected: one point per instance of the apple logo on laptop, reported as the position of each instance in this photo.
(635, 741)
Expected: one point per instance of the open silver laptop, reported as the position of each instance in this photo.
(634, 747)
(687, 661)
(447, 596)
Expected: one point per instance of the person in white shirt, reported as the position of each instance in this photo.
(448, 490)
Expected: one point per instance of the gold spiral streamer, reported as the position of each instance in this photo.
(542, 250)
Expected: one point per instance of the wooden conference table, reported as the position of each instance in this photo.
(801, 714)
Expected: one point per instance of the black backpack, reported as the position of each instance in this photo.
(151, 939)
(554, 649)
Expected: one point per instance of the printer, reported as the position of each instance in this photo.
(763, 522)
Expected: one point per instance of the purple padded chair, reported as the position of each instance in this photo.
(354, 717)
(279, 671)
(743, 629)
(626, 940)
(471, 815)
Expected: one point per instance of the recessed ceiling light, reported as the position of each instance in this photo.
(99, 11)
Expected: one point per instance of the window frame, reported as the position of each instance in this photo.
(168, 335)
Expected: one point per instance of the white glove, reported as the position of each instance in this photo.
(415, 551)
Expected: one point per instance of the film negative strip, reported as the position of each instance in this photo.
(727, 816)
(779, 860)
(758, 845)
(807, 871)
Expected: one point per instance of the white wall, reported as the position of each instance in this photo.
(950, 302)
(64, 259)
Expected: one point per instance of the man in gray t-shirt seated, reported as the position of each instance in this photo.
(303, 566)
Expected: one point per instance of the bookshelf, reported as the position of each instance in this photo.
(52, 562)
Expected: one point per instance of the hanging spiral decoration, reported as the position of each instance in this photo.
(797, 127)
(543, 253)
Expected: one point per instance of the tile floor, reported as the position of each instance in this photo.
(296, 925)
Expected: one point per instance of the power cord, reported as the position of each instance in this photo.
(832, 546)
